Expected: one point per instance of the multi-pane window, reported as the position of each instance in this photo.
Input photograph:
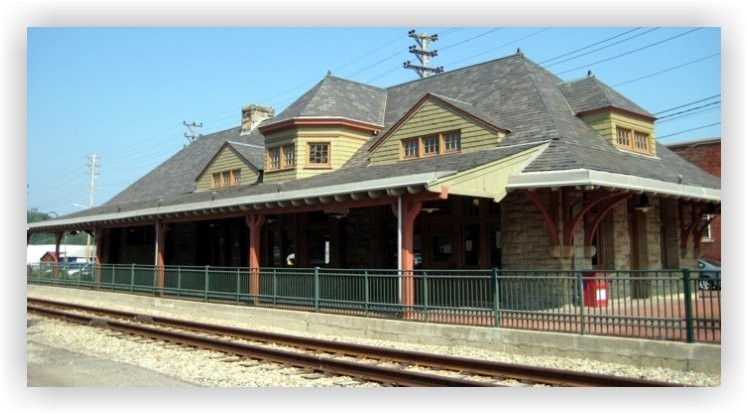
(289, 156)
(623, 137)
(225, 179)
(274, 158)
(431, 145)
(410, 148)
(633, 140)
(452, 142)
(280, 158)
(641, 141)
(319, 154)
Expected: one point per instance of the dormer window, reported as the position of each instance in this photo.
(452, 142)
(410, 148)
(226, 179)
(319, 154)
(633, 140)
(431, 145)
(281, 158)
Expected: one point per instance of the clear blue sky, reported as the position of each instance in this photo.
(123, 93)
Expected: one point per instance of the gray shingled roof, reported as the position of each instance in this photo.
(589, 93)
(514, 92)
(336, 97)
(177, 174)
(253, 153)
(452, 163)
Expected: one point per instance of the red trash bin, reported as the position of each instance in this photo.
(595, 288)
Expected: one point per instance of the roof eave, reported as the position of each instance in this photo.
(319, 121)
(390, 186)
(611, 108)
(584, 178)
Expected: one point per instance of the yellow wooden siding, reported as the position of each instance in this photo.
(605, 124)
(343, 144)
(432, 118)
(227, 160)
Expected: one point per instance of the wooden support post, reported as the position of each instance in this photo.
(56, 270)
(161, 229)
(410, 211)
(98, 241)
(255, 223)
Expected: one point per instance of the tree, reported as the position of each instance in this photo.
(33, 215)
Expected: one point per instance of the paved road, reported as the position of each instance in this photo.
(54, 367)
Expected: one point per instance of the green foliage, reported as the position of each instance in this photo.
(33, 216)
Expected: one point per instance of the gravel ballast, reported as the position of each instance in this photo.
(189, 367)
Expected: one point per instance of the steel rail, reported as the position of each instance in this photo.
(549, 376)
(390, 376)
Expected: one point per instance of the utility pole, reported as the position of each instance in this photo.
(193, 135)
(93, 172)
(423, 54)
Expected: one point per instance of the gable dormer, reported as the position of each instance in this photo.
(233, 165)
(437, 125)
(626, 125)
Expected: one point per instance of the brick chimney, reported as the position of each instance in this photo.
(252, 115)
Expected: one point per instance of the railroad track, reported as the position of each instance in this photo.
(383, 365)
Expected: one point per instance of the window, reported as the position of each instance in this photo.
(319, 154)
(431, 145)
(223, 179)
(706, 235)
(641, 141)
(622, 136)
(410, 148)
(633, 140)
(274, 157)
(452, 142)
(281, 158)
(289, 156)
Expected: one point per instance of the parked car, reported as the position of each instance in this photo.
(78, 270)
(710, 274)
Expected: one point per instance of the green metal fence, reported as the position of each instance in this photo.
(661, 304)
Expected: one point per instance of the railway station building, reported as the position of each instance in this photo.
(496, 165)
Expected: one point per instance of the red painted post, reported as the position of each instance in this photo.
(411, 209)
(161, 229)
(254, 222)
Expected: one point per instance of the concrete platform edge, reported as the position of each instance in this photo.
(645, 353)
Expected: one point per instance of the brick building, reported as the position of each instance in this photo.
(706, 154)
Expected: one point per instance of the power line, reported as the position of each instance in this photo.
(629, 52)
(598, 49)
(689, 110)
(503, 45)
(472, 38)
(689, 130)
(688, 104)
(666, 70)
